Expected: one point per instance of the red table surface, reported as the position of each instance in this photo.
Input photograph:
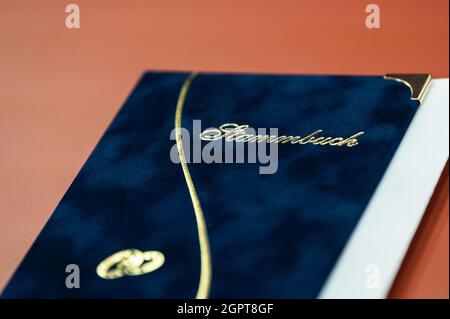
(60, 88)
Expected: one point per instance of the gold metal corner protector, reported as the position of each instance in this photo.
(417, 83)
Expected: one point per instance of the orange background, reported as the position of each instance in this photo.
(60, 88)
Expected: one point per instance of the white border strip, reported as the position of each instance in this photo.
(370, 261)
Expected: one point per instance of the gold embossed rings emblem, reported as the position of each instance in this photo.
(130, 262)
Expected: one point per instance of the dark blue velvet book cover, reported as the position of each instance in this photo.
(138, 224)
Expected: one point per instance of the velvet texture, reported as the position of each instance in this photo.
(274, 236)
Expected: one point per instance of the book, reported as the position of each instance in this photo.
(240, 186)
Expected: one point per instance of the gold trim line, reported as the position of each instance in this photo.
(205, 254)
(417, 83)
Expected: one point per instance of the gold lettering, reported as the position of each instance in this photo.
(211, 135)
(318, 140)
(352, 140)
(231, 133)
(325, 141)
(283, 139)
(336, 141)
(243, 138)
(234, 132)
(309, 138)
(273, 139)
(262, 138)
